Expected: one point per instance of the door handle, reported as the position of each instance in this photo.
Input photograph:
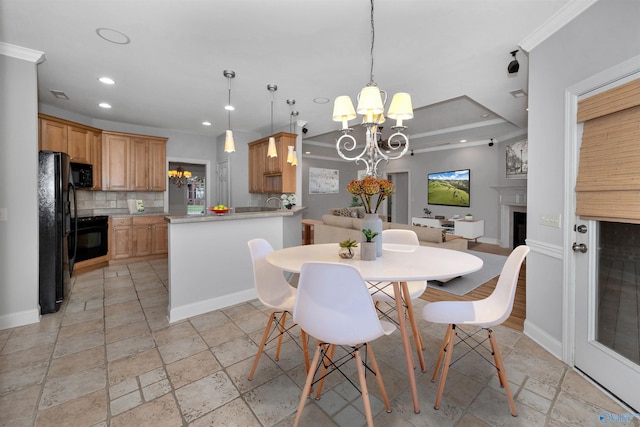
(579, 247)
(581, 228)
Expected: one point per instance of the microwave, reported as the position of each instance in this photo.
(82, 175)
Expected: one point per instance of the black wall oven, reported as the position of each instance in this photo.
(93, 240)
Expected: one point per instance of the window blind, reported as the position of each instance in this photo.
(608, 183)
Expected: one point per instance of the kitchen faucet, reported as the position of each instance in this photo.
(274, 198)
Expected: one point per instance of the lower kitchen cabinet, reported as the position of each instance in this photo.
(138, 237)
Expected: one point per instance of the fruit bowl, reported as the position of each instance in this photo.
(219, 211)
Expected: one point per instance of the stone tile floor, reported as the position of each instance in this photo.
(109, 358)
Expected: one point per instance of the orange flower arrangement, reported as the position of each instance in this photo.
(368, 187)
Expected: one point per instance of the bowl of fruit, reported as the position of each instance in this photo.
(220, 209)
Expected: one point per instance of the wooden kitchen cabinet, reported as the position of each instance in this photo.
(82, 143)
(121, 238)
(139, 237)
(272, 175)
(133, 162)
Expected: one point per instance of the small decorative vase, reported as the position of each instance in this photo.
(373, 222)
(368, 251)
(346, 253)
(469, 217)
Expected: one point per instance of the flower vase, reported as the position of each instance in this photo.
(373, 222)
(368, 251)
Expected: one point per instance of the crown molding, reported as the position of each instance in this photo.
(23, 53)
(561, 18)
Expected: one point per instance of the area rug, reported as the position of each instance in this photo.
(461, 285)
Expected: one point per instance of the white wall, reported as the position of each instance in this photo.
(604, 35)
(18, 159)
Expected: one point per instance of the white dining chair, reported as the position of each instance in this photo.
(277, 295)
(485, 313)
(382, 292)
(334, 306)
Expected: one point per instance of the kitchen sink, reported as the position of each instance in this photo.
(254, 209)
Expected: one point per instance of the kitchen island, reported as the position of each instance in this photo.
(209, 262)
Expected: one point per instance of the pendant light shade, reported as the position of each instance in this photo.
(229, 143)
(271, 149)
(343, 110)
(370, 102)
(294, 160)
(290, 154)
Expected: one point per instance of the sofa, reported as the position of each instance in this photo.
(346, 223)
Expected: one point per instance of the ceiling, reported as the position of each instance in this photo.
(450, 55)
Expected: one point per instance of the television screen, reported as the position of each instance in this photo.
(449, 188)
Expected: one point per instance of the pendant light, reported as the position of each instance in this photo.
(229, 143)
(292, 156)
(271, 149)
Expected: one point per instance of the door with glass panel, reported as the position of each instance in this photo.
(607, 242)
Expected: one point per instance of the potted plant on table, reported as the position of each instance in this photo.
(468, 217)
(346, 248)
(368, 248)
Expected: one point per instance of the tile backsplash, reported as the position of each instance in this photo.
(115, 202)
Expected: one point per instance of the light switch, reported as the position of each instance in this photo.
(3, 214)
(550, 219)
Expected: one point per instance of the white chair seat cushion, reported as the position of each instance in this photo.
(481, 313)
(384, 291)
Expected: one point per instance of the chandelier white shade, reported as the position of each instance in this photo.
(371, 105)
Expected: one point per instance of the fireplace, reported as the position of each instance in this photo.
(519, 231)
(512, 200)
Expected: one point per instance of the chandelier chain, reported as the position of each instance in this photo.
(373, 37)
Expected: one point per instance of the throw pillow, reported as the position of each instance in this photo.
(342, 212)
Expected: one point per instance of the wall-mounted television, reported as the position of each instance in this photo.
(451, 188)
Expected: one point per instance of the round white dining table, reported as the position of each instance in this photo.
(398, 264)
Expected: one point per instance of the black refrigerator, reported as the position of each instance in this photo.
(57, 227)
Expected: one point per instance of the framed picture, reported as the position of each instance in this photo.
(324, 181)
(517, 163)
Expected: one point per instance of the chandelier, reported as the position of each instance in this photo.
(179, 176)
(371, 105)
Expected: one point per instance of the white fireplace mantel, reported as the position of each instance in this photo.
(512, 198)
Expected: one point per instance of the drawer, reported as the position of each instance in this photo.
(150, 219)
(119, 222)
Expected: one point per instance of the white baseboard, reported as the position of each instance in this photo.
(20, 318)
(201, 307)
(543, 339)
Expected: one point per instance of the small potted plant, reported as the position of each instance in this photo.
(346, 248)
(468, 217)
(368, 248)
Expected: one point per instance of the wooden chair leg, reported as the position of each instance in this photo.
(307, 385)
(383, 391)
(445, 341)
(445, 366)
(265, 335)
(305, 348)
(363, 389)
(330, 352)
(281, 323)
(502, 374)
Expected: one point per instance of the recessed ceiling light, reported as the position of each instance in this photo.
(107, 80)
(485, 115)
(206, 123)
(463, 140)
(59, 94)
(307, 152)
(321, 100)
(229, 107)
(518, 93)
(113, 36)
(104, 105)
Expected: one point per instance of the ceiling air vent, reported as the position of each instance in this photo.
(518, 93)
(59, 94)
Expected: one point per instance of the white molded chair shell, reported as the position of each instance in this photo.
(391, 238)
(334, 305)
(490, 311)
(272, 288)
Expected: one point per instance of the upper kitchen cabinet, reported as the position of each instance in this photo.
(82, 143)
(133, 162)
(272, 174)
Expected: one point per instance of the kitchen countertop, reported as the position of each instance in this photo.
(209, 216)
